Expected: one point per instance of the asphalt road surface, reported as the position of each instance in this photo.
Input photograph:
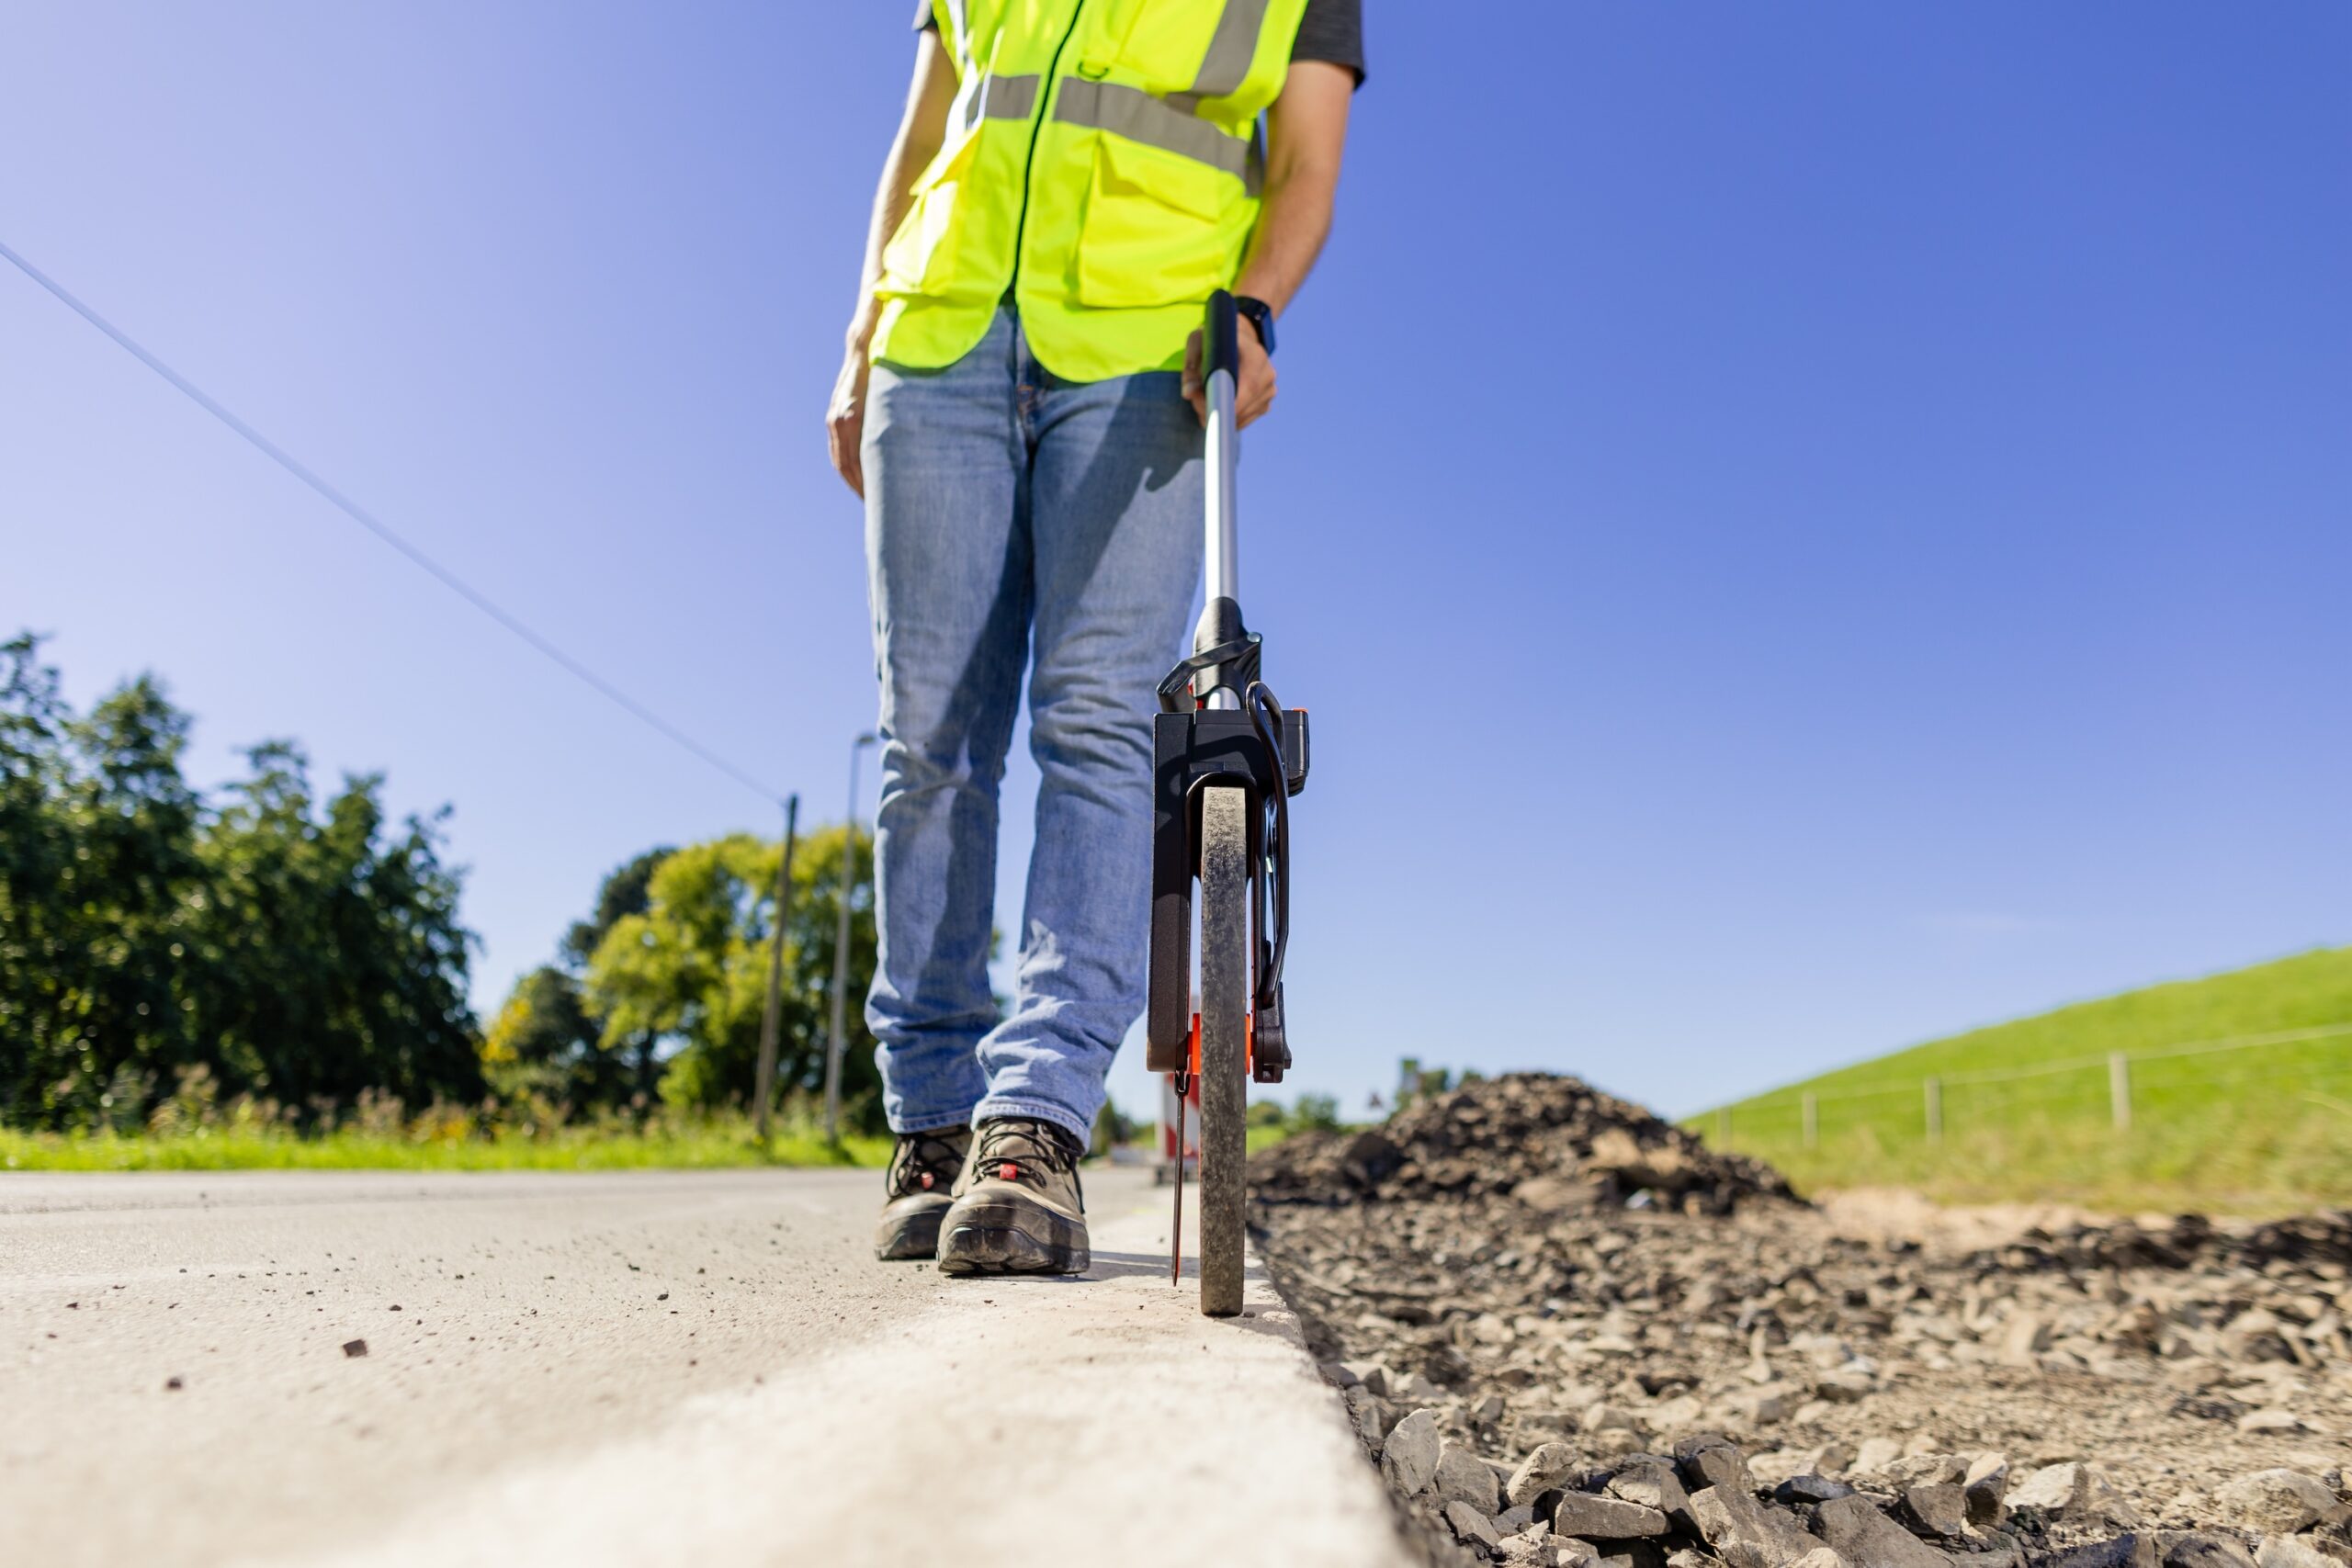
(634, 1368)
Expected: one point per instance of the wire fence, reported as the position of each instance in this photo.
(2122, 1083)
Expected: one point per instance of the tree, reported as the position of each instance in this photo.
(544, 1044)
(290, 951)
(45, 933)
(103, 887)
(1314, 1113)
(340, 959)
(1114, 1128)
(691, 969)
(627, 890)
(1415, 1082)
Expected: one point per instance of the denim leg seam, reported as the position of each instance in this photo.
(915, 1124)
(1007, 1105)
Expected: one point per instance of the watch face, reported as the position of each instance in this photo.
(1262, 319)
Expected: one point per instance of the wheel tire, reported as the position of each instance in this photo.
(1225, 1043)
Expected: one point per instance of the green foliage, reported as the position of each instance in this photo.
(1315, 1113)
(1114, 1128)
(628, 889)
(279, 945)
(2027, 1113)
(545, 1048)
(1417, 1082)
(193, 1130)
(1270, 1122)
(689, 970)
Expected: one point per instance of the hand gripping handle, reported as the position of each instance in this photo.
(1221, 339)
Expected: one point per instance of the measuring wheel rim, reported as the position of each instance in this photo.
(1225, 1043)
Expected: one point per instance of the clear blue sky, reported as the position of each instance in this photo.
(1803, 528)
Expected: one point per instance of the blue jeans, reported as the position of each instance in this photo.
(1012, 516)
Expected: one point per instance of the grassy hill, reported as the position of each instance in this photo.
(2239, 1088)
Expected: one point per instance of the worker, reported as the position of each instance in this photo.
(1020, 407)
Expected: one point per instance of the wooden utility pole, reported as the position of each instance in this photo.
(772, 1021)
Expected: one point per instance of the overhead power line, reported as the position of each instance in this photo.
(376, 527)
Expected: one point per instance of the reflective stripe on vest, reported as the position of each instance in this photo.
(1001, 97)
(1231, 48)
(1135, 114)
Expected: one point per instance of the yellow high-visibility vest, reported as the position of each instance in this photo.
(1103, 162)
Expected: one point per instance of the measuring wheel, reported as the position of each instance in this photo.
(1227, 757)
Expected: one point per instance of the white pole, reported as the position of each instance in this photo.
(1222, 576)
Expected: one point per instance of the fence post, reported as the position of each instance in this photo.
(1934, 1087)
(1812, 1119)
(2118, 1088)
(1723, 1127)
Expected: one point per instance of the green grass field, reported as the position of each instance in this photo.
(2263, 1123)
(701, 1144)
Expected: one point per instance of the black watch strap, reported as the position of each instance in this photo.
(1262, 316)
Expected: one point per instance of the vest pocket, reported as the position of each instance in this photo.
(921, 255)
(1156, 229)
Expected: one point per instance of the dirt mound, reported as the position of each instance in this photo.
(1555, 1143)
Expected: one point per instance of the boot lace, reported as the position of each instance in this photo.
(925, 1162)
(1011, 1149)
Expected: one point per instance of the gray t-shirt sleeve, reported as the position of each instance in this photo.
(1330, 30)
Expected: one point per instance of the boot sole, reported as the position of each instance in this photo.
(1006, 1239)
(912, 1236)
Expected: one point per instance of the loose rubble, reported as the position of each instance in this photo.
(1568, 1334)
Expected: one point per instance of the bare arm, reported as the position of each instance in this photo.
(1307, 129)
(922, 127)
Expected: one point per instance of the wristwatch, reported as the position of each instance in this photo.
(1262, 316)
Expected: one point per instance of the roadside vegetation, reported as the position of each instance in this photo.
(1270, 1122)
(435, 1142)
(2237, 1090)
(274, 974)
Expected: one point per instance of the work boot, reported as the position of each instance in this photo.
(922, 1180)
(1018, 1207)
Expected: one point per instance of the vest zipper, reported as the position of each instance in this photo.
(1029, 159)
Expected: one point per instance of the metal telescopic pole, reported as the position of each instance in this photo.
(1224, 566)
(833, 1042)
(763, 1083)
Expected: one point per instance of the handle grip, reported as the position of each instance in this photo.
(1221, 338)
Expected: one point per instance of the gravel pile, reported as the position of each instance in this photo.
(1555, 1142)
(1680, 1367)
(2187, 1242)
